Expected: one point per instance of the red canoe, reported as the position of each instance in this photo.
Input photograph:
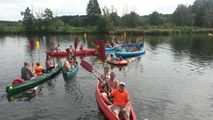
(65, 53)
(109, 115)
(117, 62)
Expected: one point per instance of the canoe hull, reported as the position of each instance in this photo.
(109, 115)
(116, 62)
(130, 54)
(70, 74)
(133, 44)
(15, 89)
(64, 53)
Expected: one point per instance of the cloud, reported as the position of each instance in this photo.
(11, 9)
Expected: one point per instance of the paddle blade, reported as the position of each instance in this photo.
(88, 67)
(85, 36)
(76, 42)
(37, 44)
(31, 42)
(101, 50)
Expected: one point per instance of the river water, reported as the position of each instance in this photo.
(172, 81)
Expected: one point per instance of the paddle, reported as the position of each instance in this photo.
(85, 36)
(76, 42)
(31, 41)
(88, 67)
(38, 47)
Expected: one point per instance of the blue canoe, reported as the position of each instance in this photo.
(130, 54)
(133, 44)
(71, 73)
(109, 48)
(125, 45)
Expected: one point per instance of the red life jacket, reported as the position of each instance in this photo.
(38, 70)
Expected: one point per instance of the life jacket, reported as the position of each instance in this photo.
(38, 70)
(18, 81)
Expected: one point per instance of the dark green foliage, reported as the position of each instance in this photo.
(93, 8)
(104, 25)
(28, 20)
(131, 20)
(155, 19)
(183, 16)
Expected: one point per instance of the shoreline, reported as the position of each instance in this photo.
(153, 30)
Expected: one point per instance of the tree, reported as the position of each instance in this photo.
(182, 15)
(155, 18)
(48, 14)
(28, 20)
(115, 19)
(93, 8)
(104, 24)
(131, 20)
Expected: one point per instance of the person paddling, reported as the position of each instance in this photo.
(57, 48)
(112, 84)
(27, 72)
(104, 77)
(49, 64)
(70, 63)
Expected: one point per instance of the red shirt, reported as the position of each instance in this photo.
(120, 98)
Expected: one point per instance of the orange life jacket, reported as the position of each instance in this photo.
(38, 70)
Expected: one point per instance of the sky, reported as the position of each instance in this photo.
(11, 9)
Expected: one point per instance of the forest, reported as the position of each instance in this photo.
(195, 18)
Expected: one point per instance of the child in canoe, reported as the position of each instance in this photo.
(112, 58)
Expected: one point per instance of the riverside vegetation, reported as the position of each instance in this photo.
(195, 18)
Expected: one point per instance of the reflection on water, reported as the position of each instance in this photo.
(73, 91)
(172, 81)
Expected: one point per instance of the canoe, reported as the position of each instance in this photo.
(125, 45)
(109, 48)
(117, 62)
(109, 115)
(17, 88)
(130, 54)
(133, 44)
(70, 74)
(65, 53)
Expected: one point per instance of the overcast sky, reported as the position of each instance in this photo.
(10, 9)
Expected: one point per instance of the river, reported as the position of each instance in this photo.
(172, 81)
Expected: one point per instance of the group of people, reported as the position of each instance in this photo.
(112, 44)
(28, 73)
(70, 50)
(114, 94)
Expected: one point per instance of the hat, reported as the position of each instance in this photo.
(122, 83)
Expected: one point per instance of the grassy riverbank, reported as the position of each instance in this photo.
(147, 30)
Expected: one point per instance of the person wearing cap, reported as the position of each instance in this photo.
(26, 72)
(111, 84)
(120, 102)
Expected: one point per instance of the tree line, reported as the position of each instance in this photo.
(199, 14)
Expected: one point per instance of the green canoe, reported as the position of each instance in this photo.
(15, 89)
(70, 74)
